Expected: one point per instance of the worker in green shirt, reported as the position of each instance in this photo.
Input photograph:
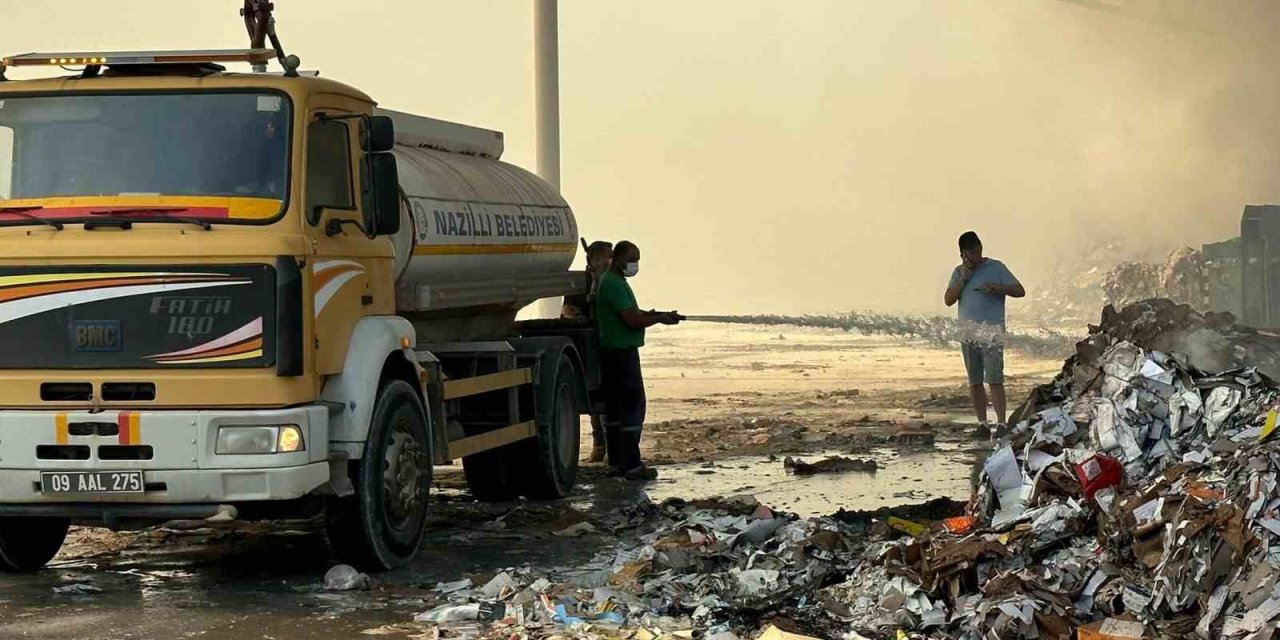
(622, 325)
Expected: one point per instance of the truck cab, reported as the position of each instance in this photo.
(212, 305)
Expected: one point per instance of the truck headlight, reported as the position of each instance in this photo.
(246, 440)
(290, 439)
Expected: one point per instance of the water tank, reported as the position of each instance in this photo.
(476, 233)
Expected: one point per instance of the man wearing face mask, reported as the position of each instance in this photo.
(582, 307)
(622, 325)
(980, 286)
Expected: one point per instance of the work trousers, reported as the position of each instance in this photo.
(597, 431)
(624, 400)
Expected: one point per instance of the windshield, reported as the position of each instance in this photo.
(132, 150)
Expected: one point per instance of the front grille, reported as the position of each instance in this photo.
(108, 429)
(128, 391)
(62, 452)
(125, 452)
(66, 391)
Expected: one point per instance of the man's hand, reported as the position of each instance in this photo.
(671, 317)
(966, 271)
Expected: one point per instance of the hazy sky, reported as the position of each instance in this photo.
(811, 156)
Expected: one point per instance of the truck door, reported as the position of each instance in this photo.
(350, 275)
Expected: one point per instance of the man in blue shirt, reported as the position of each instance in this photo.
(980, 285)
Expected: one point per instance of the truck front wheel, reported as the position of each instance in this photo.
(380, 527)
(27, 544)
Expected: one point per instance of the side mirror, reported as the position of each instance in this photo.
(378, 134)
(380, 194)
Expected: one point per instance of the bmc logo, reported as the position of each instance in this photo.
(96, 335)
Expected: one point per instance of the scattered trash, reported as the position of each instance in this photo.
(844, 394)
(1097, 473)
(773, 633)
(574, 531)
(835, 464)
(77, 589)
(693, 567)
(453, 587)
(906, 526)
(345, 578)
(916, 435)
(395, 630)
(501, 586)
(1112, 629)
(959, 524)
(451, 613)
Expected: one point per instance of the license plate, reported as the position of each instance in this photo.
(89, 482)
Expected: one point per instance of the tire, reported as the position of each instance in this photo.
(550, 464)
(27, 544)
(380, 526)
(541, 468)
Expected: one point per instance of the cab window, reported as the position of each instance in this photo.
(328, 168)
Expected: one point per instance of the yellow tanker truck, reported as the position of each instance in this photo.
(257, 295)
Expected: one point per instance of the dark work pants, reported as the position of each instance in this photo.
(597, 431)
(624, 406)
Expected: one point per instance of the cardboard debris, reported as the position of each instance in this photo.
(773, 633)
(1112, 629)
(835, 464)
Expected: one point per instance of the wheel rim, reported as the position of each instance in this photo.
(404, 498)
(566, 425)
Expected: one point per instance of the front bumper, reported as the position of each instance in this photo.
(173, 449)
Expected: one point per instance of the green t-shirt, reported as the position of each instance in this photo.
(613, 296)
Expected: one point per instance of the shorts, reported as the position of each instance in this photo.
(983, 362)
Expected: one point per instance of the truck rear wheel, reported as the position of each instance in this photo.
(380, 527)
(551, 462)
(541, 468)
(27, 544)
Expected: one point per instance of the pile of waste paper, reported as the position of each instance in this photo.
(1136, 499)
(1182, 277)
(1206, 341)
(715, 570)
(1089, 278)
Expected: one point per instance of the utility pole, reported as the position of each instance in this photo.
(546, 61)
(546, 86)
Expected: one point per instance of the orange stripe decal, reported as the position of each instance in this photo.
(322, 278)
(60, 429)
(135, 428)
(253, 344)
(488, 249)
(122, 421)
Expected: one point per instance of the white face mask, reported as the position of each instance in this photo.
(631, 269)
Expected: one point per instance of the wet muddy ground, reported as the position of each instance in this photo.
(728, 404)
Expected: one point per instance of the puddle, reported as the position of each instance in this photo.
(903, 478)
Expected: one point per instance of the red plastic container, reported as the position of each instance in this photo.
(1098, 473)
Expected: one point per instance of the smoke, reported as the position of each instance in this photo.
(809, 158)
(828, 159)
